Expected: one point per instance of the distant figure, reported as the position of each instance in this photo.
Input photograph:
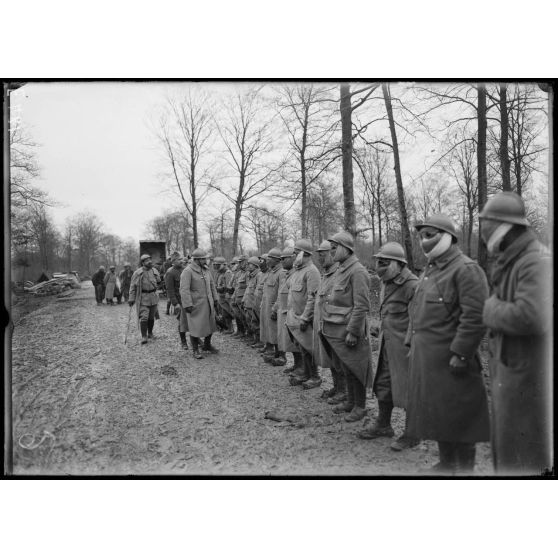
(98, 280)
(110, 285)
(125, 277)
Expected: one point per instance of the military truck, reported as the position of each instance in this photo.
(156, 249)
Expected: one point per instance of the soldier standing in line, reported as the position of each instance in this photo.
(125, 277)
(300, 314)
(98, 280)
(249, 301)
(268, 325)
(110, 285)
(199, 300)
(519, 319)
(338, 393)
(172, 283)
(262, 274)
(345, 327)
(143, 292)
(391, 381)
(239, 285)
(223, 279)
(447, 398)
(279, 313)
(229, 291)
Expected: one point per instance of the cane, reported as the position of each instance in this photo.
(128, 325)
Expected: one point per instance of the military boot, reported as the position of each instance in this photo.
(143, 329)
(382, 426)
(341, 386)
(404, 441)
(314, 381)
(347, 405)
(196, 347)
(296, 366)
(150, 324)
(183, 342)
(447, 464)
(464, 459)
(280, 359)
(208, 347)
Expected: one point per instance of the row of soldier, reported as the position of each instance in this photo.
(430, 332)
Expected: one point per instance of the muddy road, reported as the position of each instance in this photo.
(84, 403)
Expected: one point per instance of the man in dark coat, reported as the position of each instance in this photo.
(392, 368)
(125, 277)
(172, 283)
(223, 274)
(447, 398)
(519, 317)
(98, 280)
(248, 305)
(238, 287)
(270, 289)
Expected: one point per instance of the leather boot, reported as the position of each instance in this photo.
(196, 347)
(150, 324)
(280, 359)
(382, 425)
(348, 404)
(465, 459)
(446, 465)
(168, 307)
(183, 342)
(314, 380)
(404, 441)
(143, 329)
(297, 366)
(341, 387)
(208, 347)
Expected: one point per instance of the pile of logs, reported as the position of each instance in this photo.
(54, 286)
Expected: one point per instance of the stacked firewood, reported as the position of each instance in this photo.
(54, 286)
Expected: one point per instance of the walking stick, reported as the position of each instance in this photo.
(128, 325)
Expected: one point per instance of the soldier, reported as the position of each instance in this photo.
(261, 277)
(447, 399)
(98, 280)
(239, 288)
(252, 318)
(338, 392)
(224, 276)
(345, 328)
(267, 324)
(519, 317)
(199, 300)
(300, 313)
(125, 277)
(110, 285)
(391, 380)
(172, 283)
(279, 313)
(143, 292)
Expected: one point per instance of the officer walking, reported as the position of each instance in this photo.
(172, 283)
(519, 317)
(391, 380)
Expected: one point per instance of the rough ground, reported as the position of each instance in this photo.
(84, 403)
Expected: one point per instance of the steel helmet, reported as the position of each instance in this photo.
(144, 257)
(127, 264)
(392, 251)
(242, 257)
(441, 222)
(287, 252)
(254, 260)
(198, 253)
(507, 207)
(304, 245)
(325, 246)
(263, 256)
(274, 253)
(345, 239)
(112, 267)
(219, 260)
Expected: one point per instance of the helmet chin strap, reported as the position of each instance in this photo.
(495, 240)
(441, 247)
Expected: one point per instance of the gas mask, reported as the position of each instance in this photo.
(436, 244)
(495, 240)
(387, 272)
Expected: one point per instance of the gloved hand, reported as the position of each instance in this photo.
(351, 340)
(130, 302)
(273, 316)
(303, 325)
(457, 365)
(189, 309)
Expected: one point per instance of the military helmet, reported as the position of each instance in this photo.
(287, 252)
(304, 245)
(242, 257)
(392, 251)
(325, 246)
(219, 260)
(198, 253)
(345, 239)
(254, 260)
(112, 267)
(263, 256)
(506, 207)
(441, 222)
(144, 257)
(274, 253)
(127, 264)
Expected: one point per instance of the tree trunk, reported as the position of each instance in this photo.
(481, 165)
(405, 233)
(303, 187)
(347, 158)
(237, 213)
(504, 128)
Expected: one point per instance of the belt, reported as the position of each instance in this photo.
(151, 291)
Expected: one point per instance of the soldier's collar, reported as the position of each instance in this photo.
(448, 257)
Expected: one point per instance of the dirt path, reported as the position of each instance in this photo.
(86, 404)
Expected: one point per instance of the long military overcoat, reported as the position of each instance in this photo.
(198, 290)
(394, 316)
(300, 303)
(223, 281)
(345, 310)
(519, 317)
(110, 284)
(326, 284)
(446, 319)
(268, 327)
(284, 340)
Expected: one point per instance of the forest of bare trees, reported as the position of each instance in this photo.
(254, 166)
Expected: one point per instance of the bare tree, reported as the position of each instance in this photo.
(246, 135)
(88, 232)
(481, 165)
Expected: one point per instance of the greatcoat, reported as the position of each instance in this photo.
(223, 281)
(394, 316)
(143, 291)
(326, 284)
(519, 318)
(198, 290)
(344, 310)
(284, 341)
(268, 327)
(446, 319)
(172, 283)
(110, 284)
(300, 303)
